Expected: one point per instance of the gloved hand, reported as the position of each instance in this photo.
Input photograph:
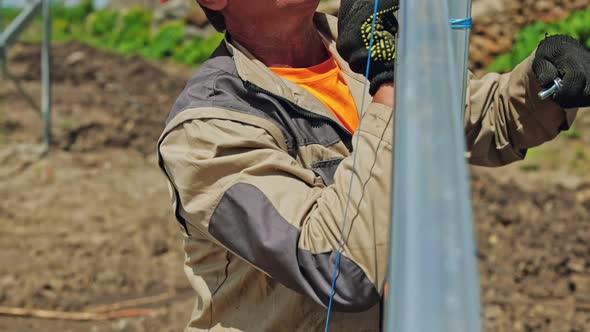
(562, 56)
(354, 33)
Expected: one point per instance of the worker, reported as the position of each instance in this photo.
(258, 153)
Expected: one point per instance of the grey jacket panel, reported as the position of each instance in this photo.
(217, 84)
(245, 221)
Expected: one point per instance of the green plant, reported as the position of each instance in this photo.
(8, 14)
(580, 154)
(527, 39)
(197, 50)
(60, 29)
(571, 133)
(73, 14)
(66, 124)
(128, 33)
(532, 154)
(165, 41)
(102, 23)
(133, 32)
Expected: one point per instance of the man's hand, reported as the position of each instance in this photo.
(354, 33)
(385, 94)
(562, 56)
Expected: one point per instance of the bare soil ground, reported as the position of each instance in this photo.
(91, 223)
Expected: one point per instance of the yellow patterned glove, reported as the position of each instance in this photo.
(354, 33)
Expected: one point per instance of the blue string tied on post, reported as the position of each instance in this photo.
(461, 23)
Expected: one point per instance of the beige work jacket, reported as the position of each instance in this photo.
(259, 172)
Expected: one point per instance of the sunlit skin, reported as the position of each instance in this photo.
(280, 33)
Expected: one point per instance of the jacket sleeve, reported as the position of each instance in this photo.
(505, 117)
(238, 188)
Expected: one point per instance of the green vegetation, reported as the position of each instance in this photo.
(127, 33)
(526, 40)
(531, 161)
(66, 124)
(572, 133)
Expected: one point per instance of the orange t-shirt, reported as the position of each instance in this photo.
(325, 83)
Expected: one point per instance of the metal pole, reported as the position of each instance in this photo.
(2, 48)
(461, 9)
(46, 74)
(17, 25)
(433, 283)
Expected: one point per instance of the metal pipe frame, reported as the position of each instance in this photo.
(22, 21)
(2, 49)
(46, 74)
(11, 34)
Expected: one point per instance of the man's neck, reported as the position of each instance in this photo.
(282, 45)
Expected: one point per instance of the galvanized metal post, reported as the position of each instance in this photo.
(2, 48)
(9, 35)
(18, 24)
(433, 283)
(46, 74)
(461, 9)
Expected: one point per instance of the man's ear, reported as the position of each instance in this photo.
(216, 5)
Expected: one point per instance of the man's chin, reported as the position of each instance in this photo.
(311, 4)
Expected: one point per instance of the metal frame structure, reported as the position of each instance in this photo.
(9, 35)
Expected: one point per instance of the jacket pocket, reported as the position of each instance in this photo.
(326, 169)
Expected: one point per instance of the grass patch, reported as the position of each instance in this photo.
(572, 133)
(528, 38)
(66, 124)
(128, 33)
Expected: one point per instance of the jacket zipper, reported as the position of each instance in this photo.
(300, 110)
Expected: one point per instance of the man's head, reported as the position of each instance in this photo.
(218, 11)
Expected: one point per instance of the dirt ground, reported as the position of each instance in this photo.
(91, 223)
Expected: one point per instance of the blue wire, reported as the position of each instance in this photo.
(341, 242)
(461, 23)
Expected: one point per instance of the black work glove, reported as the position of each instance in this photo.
(354, 33)
(562, 56)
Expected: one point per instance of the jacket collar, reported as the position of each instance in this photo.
(254, 71)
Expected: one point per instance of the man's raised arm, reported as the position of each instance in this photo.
(505, 116)
(240, 189)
